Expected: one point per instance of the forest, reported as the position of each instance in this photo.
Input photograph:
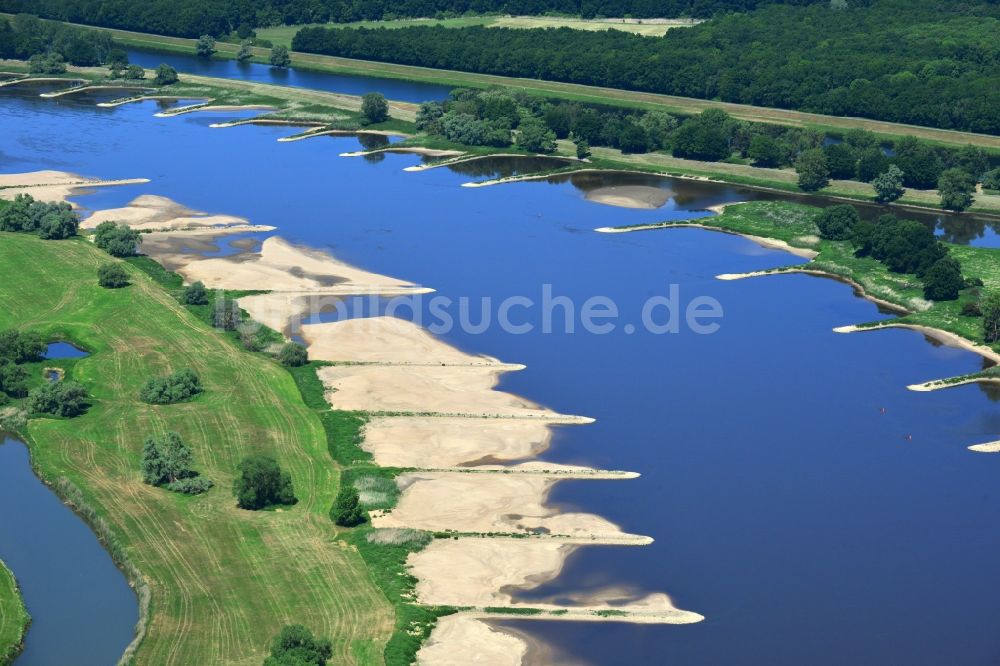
(931, 64)
(191, 18)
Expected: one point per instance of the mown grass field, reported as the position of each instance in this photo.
(223, 581)
(571, 91)
(283, 34)
(13, 616)
(794, 224)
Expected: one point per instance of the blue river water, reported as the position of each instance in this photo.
(397, 89)
(800, 497)
(82, 610)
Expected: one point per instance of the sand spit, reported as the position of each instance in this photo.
(487, 502)
(150, 212)
(79, 89)
(449, 390)
(943, 337)
(428, 152)
(422, 441)
(39, 79)
(191, 108)
(859, 290)
(54, 185)
(339, 132)
(461, 639)
(385, 340)
(267, 121)
(989, 447)
(771, 243)
(139, 98)
(939, 384)
(630, 196)
(282, 266)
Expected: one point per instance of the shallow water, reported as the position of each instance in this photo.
(807, 525)
(82, 610)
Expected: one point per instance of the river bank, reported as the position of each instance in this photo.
(387, 365)
(14, 618)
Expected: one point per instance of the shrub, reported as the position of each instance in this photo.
(262, 483)
(374, 108)
(943, 280)
(812, 170)
(293, 355)
(205, 46)
(193, 486)
(135, 73)
(838, 222)
(971, 309)
(956, 188)
(279, 56)
(991, 179)
(12, 380)
(166, 461)
(296, 646)
(112, 276)
(177, 387)
(18, 347)
(346, 510)
(118, 240)
(58, 399)
(990, 305)
(889, 185)
(227, 315)
(165, 75)
(195, 294)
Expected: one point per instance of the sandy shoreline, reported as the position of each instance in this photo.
(989, 447)
(438, 396)
(943, 337)
(771, 243)
(50, 185)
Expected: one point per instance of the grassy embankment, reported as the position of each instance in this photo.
(794, 224)
(283, 34)
(13, 617)
(571, 91)
(221, 581)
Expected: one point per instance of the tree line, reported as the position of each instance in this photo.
(936, 65)
(500, 117)
(192, 18)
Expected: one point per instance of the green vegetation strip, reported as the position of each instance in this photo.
(795, 224)
(222, 581)
(14, 617)
(384, 551)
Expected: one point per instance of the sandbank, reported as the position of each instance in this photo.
(192, 108)
(48, 185)
(428, 152)
(338, 132)
(630, 196)
(149, 212)
(944, 337)
(462, 639)
(421, 441)
(448, 390)
(989, 447)
(282, 266)
(386, 340)
(771, 243)
(482, 503)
